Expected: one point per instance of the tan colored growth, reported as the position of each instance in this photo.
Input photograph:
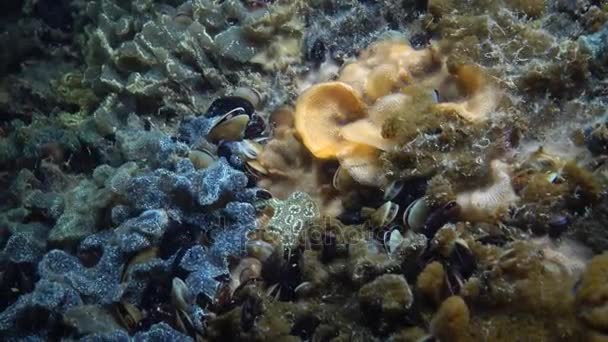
(480, 97)
(334, 121)
(492, 201)
(321, 111)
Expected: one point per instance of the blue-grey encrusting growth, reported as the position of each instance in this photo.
(147, 200)
(49, 296)
(204, 268)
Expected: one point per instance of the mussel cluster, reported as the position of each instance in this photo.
(410, 227)
(230, 128)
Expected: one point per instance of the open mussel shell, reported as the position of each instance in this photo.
(201, 159)
(392, 190)
(384, 215)
(462, 258)
(404, 191)
(259, 249)
(128, 315)
(181, 297)
(558, 224)
(342, 179)
(249, 268)
(139, 258)
(234, 119)
(249, 149)
(183, 300)
(256, 168)
(392, 239)
(227, 104)
(416, 214)
(255, 127)
(250, 94)
(229, 127)
(263, 194)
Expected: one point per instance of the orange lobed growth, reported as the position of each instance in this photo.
(343, 119)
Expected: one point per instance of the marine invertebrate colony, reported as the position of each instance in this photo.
(347, 119)
(492, 201)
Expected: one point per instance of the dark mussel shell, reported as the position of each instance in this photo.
(558, 224)
(255, 127)
(330, 247)
(439, 217)
(494, 239)
(230, 126)
(252, 308)
(420, 40)
(462, 260)
(236, 119)
(350, 217)
(317, 52)
(225, 149)
(461, 265)
(225, 104)
(263, 194)
(596, 138)
(405, 192)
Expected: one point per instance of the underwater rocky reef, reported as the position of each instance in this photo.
(344, 170)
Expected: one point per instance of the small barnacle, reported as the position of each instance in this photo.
(416, 214)
(385, 214)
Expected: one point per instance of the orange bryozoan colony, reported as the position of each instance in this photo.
(347, 119)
